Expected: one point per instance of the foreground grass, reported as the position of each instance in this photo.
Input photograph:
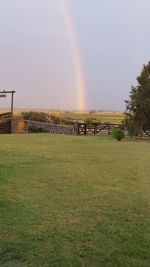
(74, 201)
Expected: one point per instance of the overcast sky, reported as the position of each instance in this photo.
(36, 59)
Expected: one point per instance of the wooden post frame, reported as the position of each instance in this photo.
(3, 94)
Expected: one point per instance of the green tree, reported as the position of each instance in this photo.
(138, 106)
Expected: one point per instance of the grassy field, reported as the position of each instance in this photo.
(74, 201)
(101, 116)
(111, 117)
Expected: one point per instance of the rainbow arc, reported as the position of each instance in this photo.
(76, 55)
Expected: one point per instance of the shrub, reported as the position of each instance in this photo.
(35, 129)
(55, 119)
(35, 116)
(131, 126)
(40, 116)
(117, 133)
(92, 111)
(89, 120)
(67, 121)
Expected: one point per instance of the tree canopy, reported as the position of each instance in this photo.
(138, 106)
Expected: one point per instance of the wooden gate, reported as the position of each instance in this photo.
(96, 128)
(5, 123)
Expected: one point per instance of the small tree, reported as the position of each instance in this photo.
(117, 133)
(138, 106)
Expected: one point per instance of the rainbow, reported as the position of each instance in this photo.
(80, 84)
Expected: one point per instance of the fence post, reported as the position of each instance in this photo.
(109, 129)
(84, 129)
(76, 129)
(95, 128)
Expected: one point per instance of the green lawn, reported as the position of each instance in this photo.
(74, 201)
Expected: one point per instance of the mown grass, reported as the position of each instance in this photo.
(74, 201)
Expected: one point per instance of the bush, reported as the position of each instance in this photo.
(35, 129)
(92, 111)
(40, 116)
(35, 116)
(89, 120)
(55, 119)
(117, 133)
(67, 121)
(131, 126)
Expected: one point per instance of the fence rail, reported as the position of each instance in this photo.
(96, 128)
(76, 129)
(25, 126)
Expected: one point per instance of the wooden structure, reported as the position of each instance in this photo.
(96, 128)
(5, 123)
(6, 119)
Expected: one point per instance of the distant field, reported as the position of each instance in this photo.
(74, 201)
(111, 117)
(101, 116)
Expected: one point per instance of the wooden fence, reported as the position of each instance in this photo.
(76, 129)
(96, 128)
(26, 126)
(5, 123)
